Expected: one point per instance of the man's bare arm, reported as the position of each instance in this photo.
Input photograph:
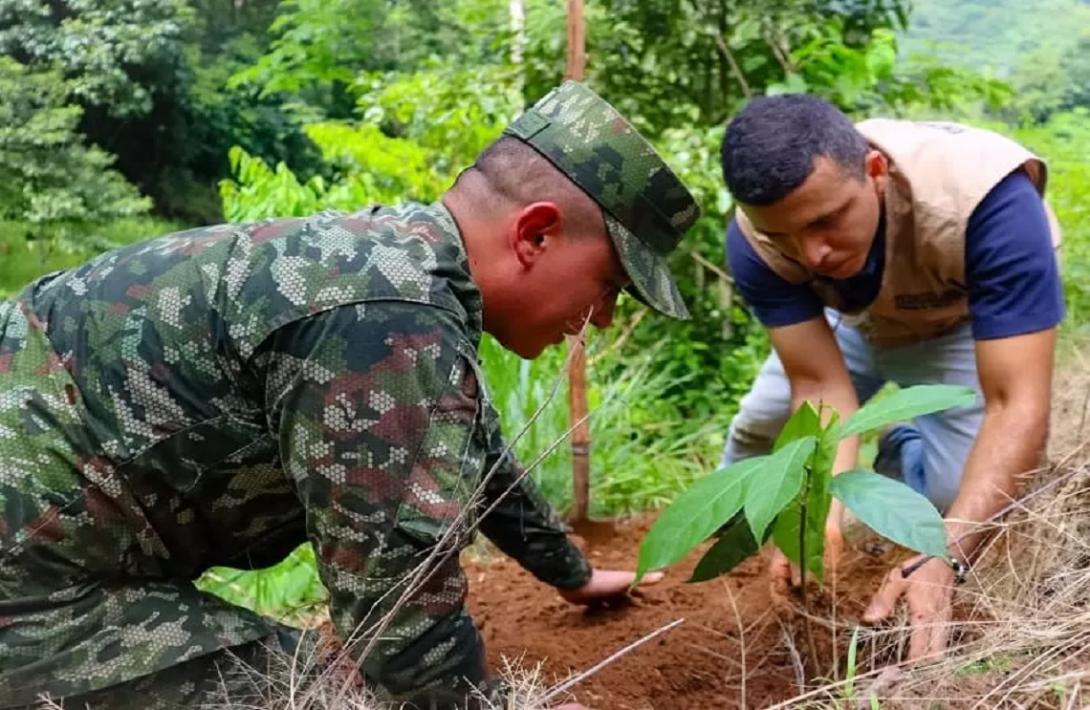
(816, 370)
(1016, 378)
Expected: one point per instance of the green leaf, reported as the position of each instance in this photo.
(695, 515)
(735, 544)
(905, 404)
(776, 483)
(893, 510)
(806, 421)
(793, 84)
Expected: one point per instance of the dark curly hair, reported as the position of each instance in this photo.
(770, 147)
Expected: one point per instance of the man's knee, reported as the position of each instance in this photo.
(752, 432)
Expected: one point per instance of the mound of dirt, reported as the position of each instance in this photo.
(733, 650)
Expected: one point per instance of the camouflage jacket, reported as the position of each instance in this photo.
(219, 396)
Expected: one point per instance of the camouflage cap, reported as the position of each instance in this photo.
(646, 207)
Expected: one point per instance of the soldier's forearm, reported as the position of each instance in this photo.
(538, 543)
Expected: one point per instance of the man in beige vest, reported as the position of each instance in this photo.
(894, 251)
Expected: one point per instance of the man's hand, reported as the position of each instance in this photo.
(928, 592)
(607, 585)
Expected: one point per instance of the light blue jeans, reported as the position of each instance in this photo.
(929, 455)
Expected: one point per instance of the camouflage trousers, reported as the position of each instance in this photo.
(227, 678)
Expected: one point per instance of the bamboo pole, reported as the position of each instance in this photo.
(577, 368)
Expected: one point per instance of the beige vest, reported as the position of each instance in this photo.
(938, 174)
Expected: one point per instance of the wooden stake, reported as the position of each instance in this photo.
(577, 369)
(580, 437)
(577, 41)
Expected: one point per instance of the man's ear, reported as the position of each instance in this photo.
(533, 229)
(877, 164)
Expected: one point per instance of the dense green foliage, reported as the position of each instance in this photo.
(48, 175)
(1041, 48)
(149, 76)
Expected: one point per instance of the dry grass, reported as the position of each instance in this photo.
(313, 680)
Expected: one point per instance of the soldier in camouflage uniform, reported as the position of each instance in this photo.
(221, 395)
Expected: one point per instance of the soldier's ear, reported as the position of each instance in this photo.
(532, 231)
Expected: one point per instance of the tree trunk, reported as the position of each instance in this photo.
(516, 10)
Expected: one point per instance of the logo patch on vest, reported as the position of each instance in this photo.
(929, 300)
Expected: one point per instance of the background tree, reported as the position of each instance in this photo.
(48, 175)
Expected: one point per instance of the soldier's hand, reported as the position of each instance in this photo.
(607, 585)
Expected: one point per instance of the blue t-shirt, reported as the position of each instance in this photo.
(1010, 267)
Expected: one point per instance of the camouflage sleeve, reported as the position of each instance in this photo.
(521, 522)
(377, 411)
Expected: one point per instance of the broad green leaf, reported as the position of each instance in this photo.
(695, 515)
(893, 510)
(735, 544)
(905, 404)
(806, 421)
(776, 483)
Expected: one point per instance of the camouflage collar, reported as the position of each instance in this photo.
(461, 281)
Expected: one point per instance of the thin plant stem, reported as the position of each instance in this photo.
(808, 471)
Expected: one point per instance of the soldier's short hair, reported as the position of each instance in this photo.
(517, 173)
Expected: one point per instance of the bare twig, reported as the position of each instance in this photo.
(741, 641)
(793, 652)
(712, 268)
(736, 70)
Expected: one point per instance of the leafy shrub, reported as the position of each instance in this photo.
(47, 174)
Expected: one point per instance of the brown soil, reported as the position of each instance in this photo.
(700, 664)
